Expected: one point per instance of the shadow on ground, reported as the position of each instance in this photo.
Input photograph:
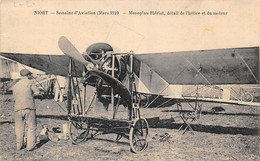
(169, 124)
(216, 113)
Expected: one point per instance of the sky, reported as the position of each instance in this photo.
(24, 32)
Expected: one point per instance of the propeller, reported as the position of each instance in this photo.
(102, 63)
(69, 49)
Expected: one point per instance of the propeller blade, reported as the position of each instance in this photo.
(69, 49)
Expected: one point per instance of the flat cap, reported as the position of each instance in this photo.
(25, 72)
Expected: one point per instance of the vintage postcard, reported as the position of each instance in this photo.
(129, 80)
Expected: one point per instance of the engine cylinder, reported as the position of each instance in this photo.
(101, 55)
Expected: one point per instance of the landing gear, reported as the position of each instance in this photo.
(78, 131)
(104, 85)
(138, 135)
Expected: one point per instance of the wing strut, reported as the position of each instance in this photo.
(247, 66)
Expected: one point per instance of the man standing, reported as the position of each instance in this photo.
(59, 88)
(25, 111)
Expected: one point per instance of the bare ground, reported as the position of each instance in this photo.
(227, 135)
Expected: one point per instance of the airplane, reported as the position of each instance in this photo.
(125, 78)
(204, 67)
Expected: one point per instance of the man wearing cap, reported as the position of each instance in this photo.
(25, 111)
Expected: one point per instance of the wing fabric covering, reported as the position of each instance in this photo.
(221, 66)
(51, 64)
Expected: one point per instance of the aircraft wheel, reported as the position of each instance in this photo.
(138, 135)
(78, 131)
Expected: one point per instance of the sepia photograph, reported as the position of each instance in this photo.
(129, 80)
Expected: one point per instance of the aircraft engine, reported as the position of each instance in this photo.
(100, 54)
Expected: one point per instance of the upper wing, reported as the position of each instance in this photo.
(51, 64)
(221, 66)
